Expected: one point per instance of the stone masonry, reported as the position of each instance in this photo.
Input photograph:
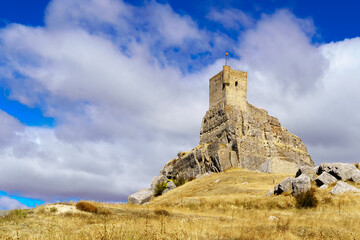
(234, 133)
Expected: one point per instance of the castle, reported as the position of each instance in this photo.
(234, 133)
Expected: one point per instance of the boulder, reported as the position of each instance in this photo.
(342, 171)
(307, 170)
(301, 185)
(142, 196)
(158, 179)
(355, 177)
(342, 187)
(284, 186)
(324, 187)
(325, 179)
(170, 186)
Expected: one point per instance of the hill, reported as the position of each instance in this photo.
(226, 205)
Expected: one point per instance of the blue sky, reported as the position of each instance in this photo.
(97, 95)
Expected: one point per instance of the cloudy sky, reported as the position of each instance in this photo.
(97, 95)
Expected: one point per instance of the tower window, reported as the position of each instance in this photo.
(223, 86)
(236, 83)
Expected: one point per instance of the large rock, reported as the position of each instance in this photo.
(157, 179)
(234, 133)
(307, 170)
(301, 185)
(355, 177)
(142, 196)
(342, 171)
(284, 186)
(342, 187)
(325, 179)
(169, 186)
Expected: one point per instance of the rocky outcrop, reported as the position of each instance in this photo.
(341, 171)
(234, 133)
(329, 173)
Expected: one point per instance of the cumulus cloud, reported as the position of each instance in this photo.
(231, 18)
(7, 203)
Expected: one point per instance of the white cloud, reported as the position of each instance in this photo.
(7, 203)
(231, 18)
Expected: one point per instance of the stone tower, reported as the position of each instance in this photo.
(234, 133)
(228, 86)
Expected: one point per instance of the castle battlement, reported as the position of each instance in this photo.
(228, 86)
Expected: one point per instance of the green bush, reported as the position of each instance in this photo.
(306, 200)
(159, 188)
(180, 181)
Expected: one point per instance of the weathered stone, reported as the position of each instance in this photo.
(342, 171)
(324, 187)
(342, 187)
(301, 185)
(270, 193)
(284, 186)
(142, 196)
(307, 170)
(170, 185)
(158, 179)
(355, 177)
(234, 133)
(325, 179)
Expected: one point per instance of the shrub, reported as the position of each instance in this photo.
(180, 181)
(86, 207)
(307, 199)
(162, 212)
(159, 188)
(191, 178)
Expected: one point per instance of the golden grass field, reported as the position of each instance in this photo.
(234, 207)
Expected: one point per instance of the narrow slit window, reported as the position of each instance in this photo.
(236, 83)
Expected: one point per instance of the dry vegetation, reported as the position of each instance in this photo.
(229, 205)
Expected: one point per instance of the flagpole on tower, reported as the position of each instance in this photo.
(226, 54)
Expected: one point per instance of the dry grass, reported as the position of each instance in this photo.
(234, 207)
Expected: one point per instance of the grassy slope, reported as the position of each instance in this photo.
(229, 205)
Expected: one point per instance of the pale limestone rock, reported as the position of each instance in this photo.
(342, 171)
(355, 177)
(325, 179)
(142, 196)
(284, 186)
(342, 187)
(158, 179)
(307, 170)
(301, 185)
(324, 187)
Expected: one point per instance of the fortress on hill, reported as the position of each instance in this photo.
(234, 133)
